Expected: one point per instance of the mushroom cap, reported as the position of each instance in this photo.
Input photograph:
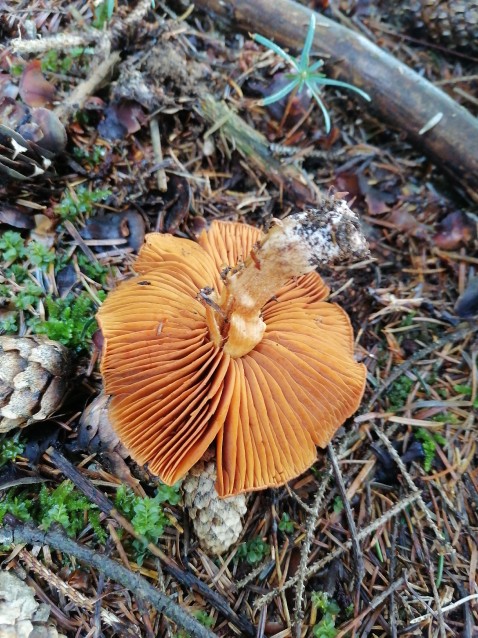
(175, 393)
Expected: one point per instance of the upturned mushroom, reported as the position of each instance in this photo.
(231, 342)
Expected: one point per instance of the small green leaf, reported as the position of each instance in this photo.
(338, 505)
(306, 75)
(275, 97)
(309, 39)
(276, 48)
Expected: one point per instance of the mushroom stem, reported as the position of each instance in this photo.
(293, 247)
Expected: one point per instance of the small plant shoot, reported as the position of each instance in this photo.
(304, 74)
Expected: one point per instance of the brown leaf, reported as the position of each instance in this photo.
(16, 216)
(35, 90)
(455, 230)
(127, 225)
(348, 183)
(177, 202)
(375, 202)
(408, 223)
(467, 303)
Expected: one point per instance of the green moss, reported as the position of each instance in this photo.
(80, 203)
(63, 505)
(70, 321)
(430, 440)
(399, 391)
(146, 514)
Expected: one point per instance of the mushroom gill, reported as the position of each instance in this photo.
(218, 341)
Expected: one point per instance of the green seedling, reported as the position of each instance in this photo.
(82, 202)
(146, 514)
(103, 13)
(430, 440)
(254, 551)
(305, 75)
(286, 525)
(10, 448)
(325, 628)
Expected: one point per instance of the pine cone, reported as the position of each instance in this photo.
(33, 379)
(21, 616)
(217, 521)
(453, 23)
(29, 140)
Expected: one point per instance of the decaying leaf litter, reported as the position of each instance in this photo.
(165, 133)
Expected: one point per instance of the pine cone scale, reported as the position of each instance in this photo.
(34, 375)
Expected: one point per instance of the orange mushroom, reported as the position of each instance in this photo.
(230, 340)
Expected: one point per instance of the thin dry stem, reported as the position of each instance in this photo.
(358, 556)
(77, 98)
(312, 522)
(393, 511)
(411, 484)
(59, 41)
(158, 154)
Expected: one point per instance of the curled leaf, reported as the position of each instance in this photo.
(467, 303)
(455, 230)
(35, 90)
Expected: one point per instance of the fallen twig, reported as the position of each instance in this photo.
(15, 532)
(358, 557)
(446, 609)
(187, 579)
(67, 590)
(305, 551)
(401, 97)
(79, 95)
(255, 148)
(411, 484)
(378, 600)
(452, 337)
(59, 41)
(393, 511)
(158, 154)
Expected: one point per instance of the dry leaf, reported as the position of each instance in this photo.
(35, 90)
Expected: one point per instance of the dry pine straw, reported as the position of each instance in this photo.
(415, 537)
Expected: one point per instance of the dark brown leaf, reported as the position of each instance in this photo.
(407, 223)
(121, 119)
(128, 225)
(176, 208)
(467, 303)
(16, 216)
(455, 230)
(35, 90)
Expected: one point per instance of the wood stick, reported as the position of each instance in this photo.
(253, 145)
(16, 532)
(399, 95)
(187, 579)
